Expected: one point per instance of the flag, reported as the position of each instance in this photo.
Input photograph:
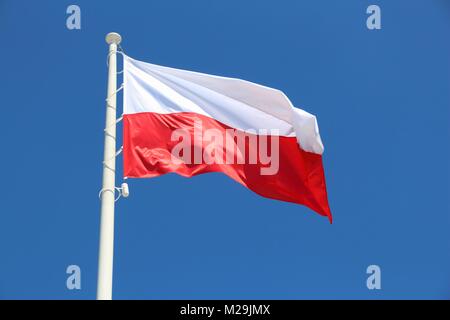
(191, 123)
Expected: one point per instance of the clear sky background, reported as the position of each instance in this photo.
(382, 99)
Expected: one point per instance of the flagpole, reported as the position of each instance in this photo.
(106, 247)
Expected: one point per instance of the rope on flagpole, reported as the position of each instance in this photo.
(124, 185)
(118, 152)
(117, 121)
(116, 92)
(119, 51)
(119, 190)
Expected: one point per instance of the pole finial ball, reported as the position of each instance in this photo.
(113, 37)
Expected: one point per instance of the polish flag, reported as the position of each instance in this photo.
(192, 123)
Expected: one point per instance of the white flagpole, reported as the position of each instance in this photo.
(106, 250)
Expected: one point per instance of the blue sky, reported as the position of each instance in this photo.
(382, 99)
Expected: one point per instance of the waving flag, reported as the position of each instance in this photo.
(192, 123)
